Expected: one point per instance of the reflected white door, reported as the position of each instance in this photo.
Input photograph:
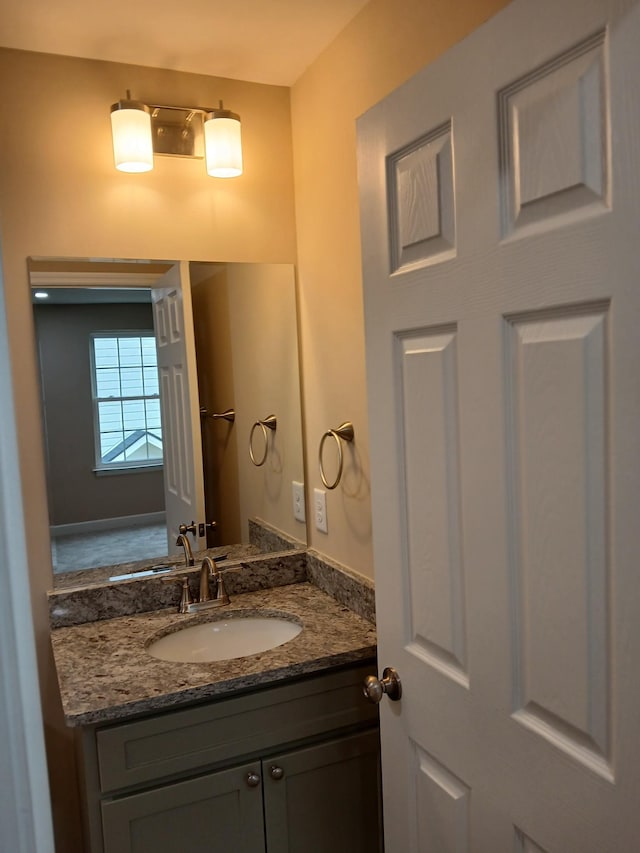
(500, 205)
(179, 402)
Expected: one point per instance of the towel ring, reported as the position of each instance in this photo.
(267, 423)
(344, 432)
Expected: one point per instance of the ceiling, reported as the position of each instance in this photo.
(264, 41)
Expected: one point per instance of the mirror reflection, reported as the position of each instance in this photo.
(139, 362)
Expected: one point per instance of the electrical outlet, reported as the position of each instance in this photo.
(298, 501)
(320, 509)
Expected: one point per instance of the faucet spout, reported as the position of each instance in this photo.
(209, 572)
(183, 540)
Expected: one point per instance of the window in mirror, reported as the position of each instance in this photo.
(126, 400)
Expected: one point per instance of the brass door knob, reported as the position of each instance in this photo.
(374, 689)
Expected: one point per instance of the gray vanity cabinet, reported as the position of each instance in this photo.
(287, 769)
(213, 812)
(324, 798)
(321, 799)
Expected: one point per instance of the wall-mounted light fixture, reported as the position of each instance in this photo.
(141, 130)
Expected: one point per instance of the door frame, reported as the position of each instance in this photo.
(25, 815)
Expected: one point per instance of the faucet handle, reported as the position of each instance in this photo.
(187, 528)
(185, 598)
(221, 592)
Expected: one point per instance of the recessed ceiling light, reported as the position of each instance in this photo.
(41, 294)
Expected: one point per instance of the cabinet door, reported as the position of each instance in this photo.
(325, 798)
(216, 813)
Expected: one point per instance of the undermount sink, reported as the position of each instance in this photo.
(224, 639)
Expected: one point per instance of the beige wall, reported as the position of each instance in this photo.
(247, 352)
(382, 47)
(60, 195)
(210, 300)
(262, 312)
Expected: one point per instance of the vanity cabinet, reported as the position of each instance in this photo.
(217, 811)
(288, 769)
(325, 798)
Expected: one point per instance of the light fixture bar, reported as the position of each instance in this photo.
(142, 130)
(177, 131)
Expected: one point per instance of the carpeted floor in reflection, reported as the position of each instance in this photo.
(108, 547)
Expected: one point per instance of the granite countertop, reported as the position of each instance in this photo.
(106, 674)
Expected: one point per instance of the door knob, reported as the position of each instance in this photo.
(206, 525)
(276, 772)
(374, 688)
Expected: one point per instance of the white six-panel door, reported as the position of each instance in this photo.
(500, 207)
(179, 402)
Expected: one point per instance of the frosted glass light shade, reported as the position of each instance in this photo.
(223, 144)
(131, 132)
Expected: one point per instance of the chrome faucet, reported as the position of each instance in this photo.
(209, 574)
(183, 540)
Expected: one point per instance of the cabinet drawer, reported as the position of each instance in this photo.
(177, 741)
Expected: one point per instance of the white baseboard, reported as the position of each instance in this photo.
(98, 524)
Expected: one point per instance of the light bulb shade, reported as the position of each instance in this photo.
(131, 132)
(223, 144)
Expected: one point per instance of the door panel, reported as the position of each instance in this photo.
(557, 404)
(442, 807)
(499, 209)
(554, 140)
(182, 441)
(436, 595)
(526, 845)
(421, 201)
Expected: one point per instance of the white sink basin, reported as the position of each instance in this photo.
(224, 639)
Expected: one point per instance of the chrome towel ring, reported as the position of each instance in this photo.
(268, 423)
(343, 433)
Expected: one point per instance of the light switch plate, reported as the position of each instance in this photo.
(320, 509)
(298, 501)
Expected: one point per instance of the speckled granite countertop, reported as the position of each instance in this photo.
(106, 674)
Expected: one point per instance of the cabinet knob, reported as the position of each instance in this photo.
(375, 689)
(253, 780)
(276, 772)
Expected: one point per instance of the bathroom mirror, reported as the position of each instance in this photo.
(107, 419)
